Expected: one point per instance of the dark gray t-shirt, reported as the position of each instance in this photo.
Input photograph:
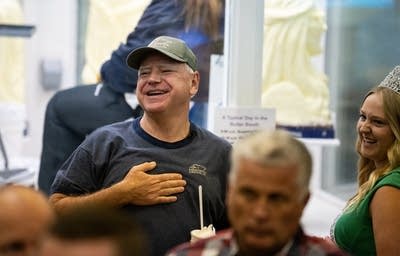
(107, 154)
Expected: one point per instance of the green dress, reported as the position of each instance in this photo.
(352, 230)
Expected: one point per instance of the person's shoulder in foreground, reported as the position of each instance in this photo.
(224, 244)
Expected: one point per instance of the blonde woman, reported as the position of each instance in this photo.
(370, 223)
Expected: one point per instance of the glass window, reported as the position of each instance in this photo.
(362, 47)
(359, 48)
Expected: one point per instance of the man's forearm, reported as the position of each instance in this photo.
(110, 197)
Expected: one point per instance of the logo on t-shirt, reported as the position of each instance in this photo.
(198, 169)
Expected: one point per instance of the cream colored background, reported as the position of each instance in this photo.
(109, 23)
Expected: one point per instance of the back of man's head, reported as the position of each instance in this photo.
(25, 216)
(95, 227)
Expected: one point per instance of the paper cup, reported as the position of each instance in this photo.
(198, 234)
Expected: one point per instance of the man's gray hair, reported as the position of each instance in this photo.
(273, 148)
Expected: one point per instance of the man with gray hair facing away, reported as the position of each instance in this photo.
(268, 191)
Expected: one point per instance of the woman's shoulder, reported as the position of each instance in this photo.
(393, 177)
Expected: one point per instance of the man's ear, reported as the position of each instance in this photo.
(194, 86)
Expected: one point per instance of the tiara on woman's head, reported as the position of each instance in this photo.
(392, 80)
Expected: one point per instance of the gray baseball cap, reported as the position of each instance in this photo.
(172, 47)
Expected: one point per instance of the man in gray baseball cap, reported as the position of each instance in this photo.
(172, 47)
(152, 166)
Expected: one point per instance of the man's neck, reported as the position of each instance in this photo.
(170, 130)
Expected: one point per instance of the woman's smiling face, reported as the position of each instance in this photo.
(375, 134)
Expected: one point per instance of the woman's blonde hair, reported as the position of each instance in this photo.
(368, 174)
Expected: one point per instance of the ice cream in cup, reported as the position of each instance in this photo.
(198, 234)
(203, 232)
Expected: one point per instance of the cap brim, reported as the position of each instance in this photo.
(136, 57)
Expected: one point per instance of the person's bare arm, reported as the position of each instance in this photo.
(137, 188)
(385, 211)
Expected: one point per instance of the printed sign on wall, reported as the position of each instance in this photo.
(235, 123)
